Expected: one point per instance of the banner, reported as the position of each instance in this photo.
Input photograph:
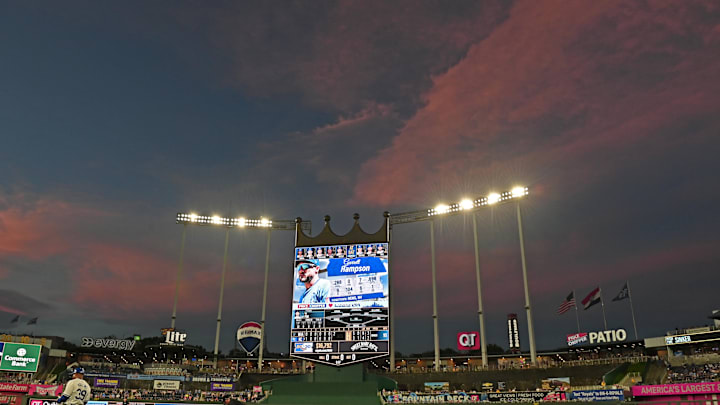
(676, 389)
(152, 377)
(413, 398)
(19, 357)
(555, 383)
(105, 375)
(224, 379)
(107, 382)
(9, 399)
(437, 386)
(519, 396)
(577, 338)
(45, 390)
(221, 386)
(12, 387)
(598, 395)
(166, 385)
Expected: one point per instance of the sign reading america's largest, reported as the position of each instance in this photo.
(340, 310)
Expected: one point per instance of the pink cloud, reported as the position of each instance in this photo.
(555, 87)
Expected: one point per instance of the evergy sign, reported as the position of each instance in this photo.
(676, 389)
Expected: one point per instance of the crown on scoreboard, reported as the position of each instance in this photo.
(356, 234)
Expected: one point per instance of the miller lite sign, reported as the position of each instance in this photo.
(248, 335)
(173, 337)
(468, 340)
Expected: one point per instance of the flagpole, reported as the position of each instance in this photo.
(602, 304)
(577, 317)
(632, 310)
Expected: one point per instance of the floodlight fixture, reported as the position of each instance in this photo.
(183, 218)
(518, 192)
(467, 204)
(442, 208)
(493, 198)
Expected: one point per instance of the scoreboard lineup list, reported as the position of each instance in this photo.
(353, 324)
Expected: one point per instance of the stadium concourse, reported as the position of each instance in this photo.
(686, 366)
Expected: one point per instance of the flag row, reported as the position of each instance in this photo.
(594, 297)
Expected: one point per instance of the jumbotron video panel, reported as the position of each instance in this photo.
(340, 309)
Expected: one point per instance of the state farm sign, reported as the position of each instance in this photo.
(12, 387)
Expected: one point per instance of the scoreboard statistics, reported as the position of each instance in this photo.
(340, 310)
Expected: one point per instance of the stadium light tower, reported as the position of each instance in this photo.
(462, 207)
(230, 223)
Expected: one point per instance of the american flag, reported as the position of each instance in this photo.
(567, 304)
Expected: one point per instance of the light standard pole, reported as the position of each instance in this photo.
(464, 206)
(240, 222)
(177, 278)
(220, 302)
(481, 317)
(264, 304)
(436, 334)
(519, 192)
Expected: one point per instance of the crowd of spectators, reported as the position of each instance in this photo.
(694, 373)
(20, 378)
(177, 395)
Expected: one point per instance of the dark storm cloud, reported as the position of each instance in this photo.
(18, 303)
(345, 55)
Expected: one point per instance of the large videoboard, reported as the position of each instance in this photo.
(340, 309)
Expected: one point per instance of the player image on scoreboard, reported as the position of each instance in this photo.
(340, 311)
(341, 276)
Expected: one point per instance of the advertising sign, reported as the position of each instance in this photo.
(608, 336)
(248, 335)
(115, 344)
(107, 382)
(468, 340)
(577, 338)
(12, 387)
(173, 337)
(520, 396)
(219, 378)
(436, 386)
(513, 333)
(19, 357)
(9, 399)
(598, 395)
(555, 383)
(45, 390)
(416, 398)
(221, 386)
(340, 303)
(166, 385)
(676, 389)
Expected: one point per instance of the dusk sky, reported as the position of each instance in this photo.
(114, 116)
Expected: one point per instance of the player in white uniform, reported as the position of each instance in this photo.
(77, 391)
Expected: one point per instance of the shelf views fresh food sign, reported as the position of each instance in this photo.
(19, 357)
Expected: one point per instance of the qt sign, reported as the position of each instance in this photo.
(468, 340)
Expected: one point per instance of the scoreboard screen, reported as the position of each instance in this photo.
(340, 311)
